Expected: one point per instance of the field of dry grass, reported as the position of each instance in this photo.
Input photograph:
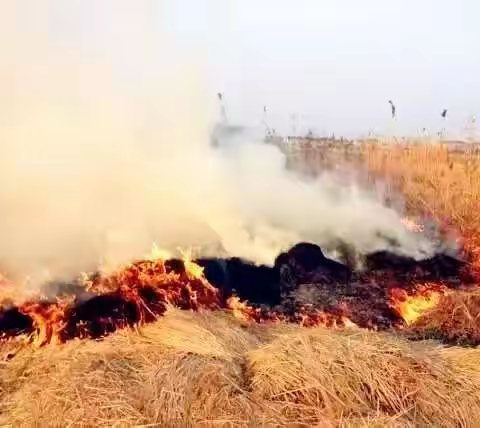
(210, 369)
(444, 185)
(435, 182)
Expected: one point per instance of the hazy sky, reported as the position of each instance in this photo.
(333, 63)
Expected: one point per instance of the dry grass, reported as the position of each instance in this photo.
(436, 182)
(322, 375)
(208, 369)
(181, 371)
(446, 186)
(456, 319)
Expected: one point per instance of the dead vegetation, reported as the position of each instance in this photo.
(182, 370)
(455, 319)
(444, 185)
(208, 369)
(436, 182)
(325, 375)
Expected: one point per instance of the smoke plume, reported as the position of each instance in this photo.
(105, 141)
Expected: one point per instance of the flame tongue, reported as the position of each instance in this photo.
(48, 321)
(412, 306)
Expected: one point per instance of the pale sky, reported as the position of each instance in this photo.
(333, 63)
(336, 63)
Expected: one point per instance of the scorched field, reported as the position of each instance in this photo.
(370, 340)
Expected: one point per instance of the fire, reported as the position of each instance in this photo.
(158, 253)
(245, 312)
(240, 310)
(193, 269)
(324, 319)
(48, 321)
(411, 307)
(387, 296)
(412, 225)
(306, 317)
(134, 294)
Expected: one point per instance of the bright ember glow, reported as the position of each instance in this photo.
(411, 307)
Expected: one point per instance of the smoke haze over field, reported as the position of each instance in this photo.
(104, 136)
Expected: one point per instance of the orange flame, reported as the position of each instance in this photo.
(140, 292)
(194, 271)
(304, 316)
(411, 307)
(48, 321)
(137, 293)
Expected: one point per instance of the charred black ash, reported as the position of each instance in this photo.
(13, 322)
(305, 263)
(302, 281)
(257, 284)
(98, 316)
(175, 265)
(436, 267)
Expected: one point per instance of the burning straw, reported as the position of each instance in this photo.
(303, 287)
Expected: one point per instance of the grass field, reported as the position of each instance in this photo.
(436, 182)
(210, 369)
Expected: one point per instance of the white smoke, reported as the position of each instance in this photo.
(106, 149)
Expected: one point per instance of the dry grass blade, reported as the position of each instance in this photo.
(456, 319)
(208, 369)
(318, 374)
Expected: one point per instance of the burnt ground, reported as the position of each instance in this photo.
(303, 279)
(301, 282)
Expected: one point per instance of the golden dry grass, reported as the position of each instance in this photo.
(208, 369)
(181, 371)
(322, 375)
(455, 319)
(446, 186)
(436, 182)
